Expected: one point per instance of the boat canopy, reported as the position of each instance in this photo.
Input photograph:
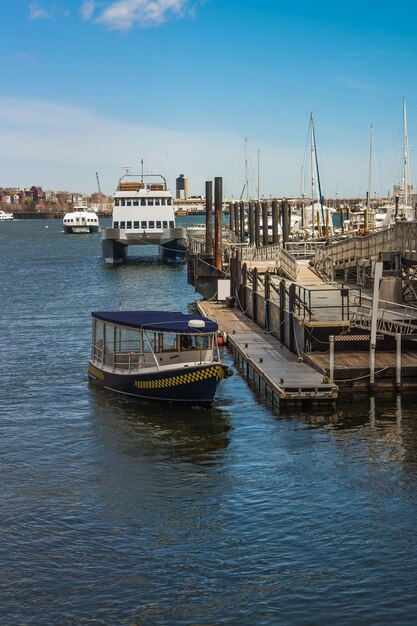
(169, 322)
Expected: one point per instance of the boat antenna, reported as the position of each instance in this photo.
(141, 165)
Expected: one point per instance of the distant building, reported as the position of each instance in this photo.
(181, 186)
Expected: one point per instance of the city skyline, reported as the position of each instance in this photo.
(95, 86)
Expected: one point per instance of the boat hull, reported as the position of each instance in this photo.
(192, 385)
(80, 230)
(171, 243)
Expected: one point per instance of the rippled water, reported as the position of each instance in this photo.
(116, 512)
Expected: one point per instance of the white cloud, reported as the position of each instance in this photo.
(87, 9)
(61, 147)
(124, 14)
(37, 12)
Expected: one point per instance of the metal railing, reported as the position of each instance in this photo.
(392, 318)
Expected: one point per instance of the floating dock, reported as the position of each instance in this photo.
(279, 374)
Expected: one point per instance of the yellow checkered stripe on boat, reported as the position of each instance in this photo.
(182, 379)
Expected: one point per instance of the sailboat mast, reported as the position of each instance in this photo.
(318, 184)
(405, 155)
(313, 219)
(368, 199)
(246, 170)
(259, 193)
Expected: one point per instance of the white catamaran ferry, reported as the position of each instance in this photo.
(143, 214)
(80, 221)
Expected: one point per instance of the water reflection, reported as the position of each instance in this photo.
(188, 434)
(385, 425)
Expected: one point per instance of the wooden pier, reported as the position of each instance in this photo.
(311, 310)
(279, 374)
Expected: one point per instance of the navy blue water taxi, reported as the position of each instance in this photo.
(157, 355)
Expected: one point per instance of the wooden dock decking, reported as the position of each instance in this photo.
(280, 375)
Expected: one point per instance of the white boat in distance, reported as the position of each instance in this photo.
(143, 215)
(5, 216)
(80, 221)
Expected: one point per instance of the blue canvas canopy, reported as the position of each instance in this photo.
(163, 321)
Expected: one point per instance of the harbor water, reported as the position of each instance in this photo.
(117, 512)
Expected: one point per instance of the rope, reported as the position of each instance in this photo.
(240, 304)
(347, 380)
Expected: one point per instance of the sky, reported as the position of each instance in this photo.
(96, 85)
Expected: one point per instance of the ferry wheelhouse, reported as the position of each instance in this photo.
(143, 214)
(80, 221)
(156, 355)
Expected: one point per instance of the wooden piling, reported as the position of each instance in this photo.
(242, 222)
(218, 202)
(251, 223)
(209, 217)
(257, 224)
(265, 235)
(275, 221)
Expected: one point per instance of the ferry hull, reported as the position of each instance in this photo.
(172, 244)
(194, 385)
(80, 230)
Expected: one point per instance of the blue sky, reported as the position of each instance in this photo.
(96, 85)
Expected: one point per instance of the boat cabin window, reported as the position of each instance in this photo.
(129, 225)
(158, 224)
(142, 201)
(143, 224)
(150, 341)
(122, 224)
(128, 202)
(136, 202)
(152, 224)
(157, 202)
(116, 225)
(165, 224)
(135, 224)
(171, 223)
(195, 342)
(126, 340)
(168, 342)
(122, 202)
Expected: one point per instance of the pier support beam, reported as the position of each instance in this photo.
(218, 202)
(236, 223)
(398, 360)
(257, 225)
(265, 236)
(331, 358)
(242, 222)
(209, 217)
(251, 223)
(374, 322)
(232, 217)
(275, 221)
